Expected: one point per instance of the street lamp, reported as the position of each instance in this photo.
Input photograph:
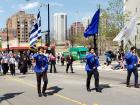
(47, 39)
(7, 37)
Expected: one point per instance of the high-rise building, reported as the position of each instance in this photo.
(86, 21)
(76, 29)
(3, 34)
(60, 27)
(132, 8)
(20, 24)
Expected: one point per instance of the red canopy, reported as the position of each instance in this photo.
(14, 48)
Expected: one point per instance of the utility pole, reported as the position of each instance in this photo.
(47, 37)
(7, 37)
(48, 26)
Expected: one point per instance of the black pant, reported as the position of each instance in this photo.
(68, 67)
(53, 64)
(96, 77)
(62, 63)
(12, 69)
(5, 68)
(45, 79)
(135, 72)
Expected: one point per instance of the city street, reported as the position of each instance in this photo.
(68, 89)
(101, 34)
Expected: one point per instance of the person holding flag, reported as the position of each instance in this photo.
(92, 61)
(40, 69)
(41, 60)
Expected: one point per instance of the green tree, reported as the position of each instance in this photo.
(111, 22)
(0, 42)
(114, 17)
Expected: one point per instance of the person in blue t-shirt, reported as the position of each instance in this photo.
(92, 63)
(40, 69)
(131, 65)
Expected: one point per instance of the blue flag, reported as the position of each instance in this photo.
(92, 28)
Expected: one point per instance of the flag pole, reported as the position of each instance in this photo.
(95, 44)
(99, 33)
(137, 33)
(95, 38)
(40, 17)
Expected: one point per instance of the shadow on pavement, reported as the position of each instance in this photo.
(54, 89)
(131, 84)
(103, 86)
(21, 76)
(9, 96)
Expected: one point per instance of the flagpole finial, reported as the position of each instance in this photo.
(40, 7)
(99, 6)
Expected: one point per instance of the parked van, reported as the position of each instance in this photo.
(78, 52)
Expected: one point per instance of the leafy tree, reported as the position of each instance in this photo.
(111, 22)
(0, 45)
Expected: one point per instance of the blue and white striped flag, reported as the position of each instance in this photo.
(36, 31)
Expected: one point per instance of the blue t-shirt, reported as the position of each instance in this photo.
(91, 61)
(131, 61)
(41, 63)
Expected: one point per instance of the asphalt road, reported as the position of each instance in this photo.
(68, 89)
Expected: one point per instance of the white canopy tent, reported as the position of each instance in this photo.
(128, 33)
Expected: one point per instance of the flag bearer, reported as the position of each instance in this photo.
(40, 69)
(131, 60)
(92, 63)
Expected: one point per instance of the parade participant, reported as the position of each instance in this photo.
(0, 63)
(92, 63)
(131, 60)
(62, 60)
(12, 62)
(58, 57)
(52, 63)
(69, 61)
(5, 60)
(23, 63)
(40, 69)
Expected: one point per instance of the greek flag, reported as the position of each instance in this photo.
(36, 31)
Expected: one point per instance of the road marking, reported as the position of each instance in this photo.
(58, 95)
(69, 99)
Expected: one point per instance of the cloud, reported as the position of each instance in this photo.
(1, 11)
(55, 4)
(29, 6)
